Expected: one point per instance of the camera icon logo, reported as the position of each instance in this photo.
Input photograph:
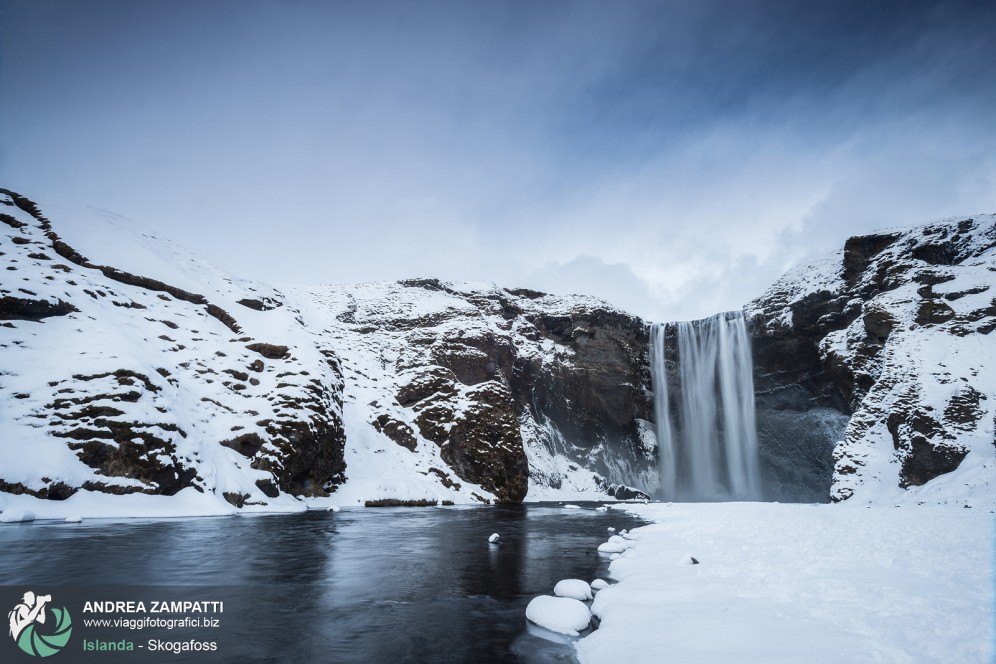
(31, 629)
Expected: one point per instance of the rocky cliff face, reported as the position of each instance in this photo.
(121, 383)
(144, 370)
(517, 390)
(131, 367)
(888, 348)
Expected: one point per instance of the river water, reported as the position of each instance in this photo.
(361, 585)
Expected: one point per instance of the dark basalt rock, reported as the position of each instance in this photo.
(54, 491)
(236, 499)
(312, 461)
(270, 351)
(484, 446)
(964, 409)
(268, 488)
(247, 444)
(432, 381)
(927, 460)
(858, 252)
(16, 308)
(595, 399)
(591, 390)
(260, 304)
(623, 492)
(397, 431)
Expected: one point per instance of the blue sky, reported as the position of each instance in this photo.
(671, 157)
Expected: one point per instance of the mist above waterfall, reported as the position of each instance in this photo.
(709, 450)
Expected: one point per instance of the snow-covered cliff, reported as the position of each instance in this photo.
(895, 332)
(128, 366)
(131, 367)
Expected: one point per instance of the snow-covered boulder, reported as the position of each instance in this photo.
(559, 614)
(573, 588)
(616, 544)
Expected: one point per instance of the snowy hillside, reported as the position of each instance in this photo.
(897, 331)
(120, 383)
(132, 367)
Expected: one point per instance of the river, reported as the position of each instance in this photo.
(360, 585)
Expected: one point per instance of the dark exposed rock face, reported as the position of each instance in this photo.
(504, 381)
(397, 431)
(19, 308)
(602, 394)
(884, 334)
(484, 446)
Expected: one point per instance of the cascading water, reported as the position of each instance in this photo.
(712, 453)
(662, 415)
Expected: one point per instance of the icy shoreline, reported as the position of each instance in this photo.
(793, 583)
(190, 503)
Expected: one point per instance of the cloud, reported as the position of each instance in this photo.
(672, 157)
(590, 275)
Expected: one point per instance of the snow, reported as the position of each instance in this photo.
(599, 584)
(572, 507)
(616, 544)
(799, 583)
(559, 614)
(573, 588)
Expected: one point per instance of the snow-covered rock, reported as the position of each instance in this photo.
(573, 588)
(876, 368)
(132, 367)
(615, 544)
(126, 383)
(494, 538)
(599, 584)
(559, 614)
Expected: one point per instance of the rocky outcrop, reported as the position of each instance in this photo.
(512, 388)
(122, 383)
(891, 338)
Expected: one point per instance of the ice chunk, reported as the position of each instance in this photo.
(572, 507)
(494, 538)
(573, 588)
(599, 584)
(73, 519)
(559, 614)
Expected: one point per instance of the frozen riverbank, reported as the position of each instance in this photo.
(794, 583)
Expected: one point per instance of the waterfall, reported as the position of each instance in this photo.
(712, 453)
(662, 416)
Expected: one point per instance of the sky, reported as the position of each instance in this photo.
(673, 158)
